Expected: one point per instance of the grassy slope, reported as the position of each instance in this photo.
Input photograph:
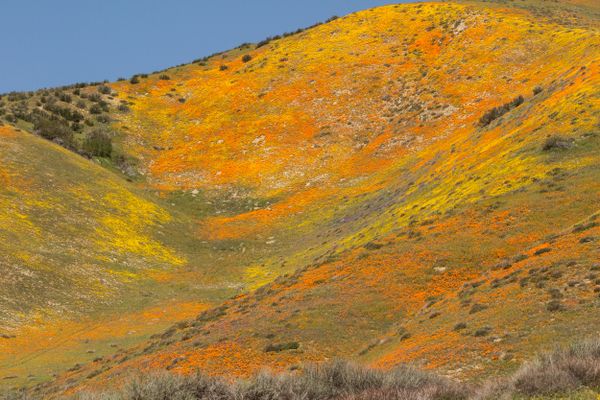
(368, 174)
(90, 261)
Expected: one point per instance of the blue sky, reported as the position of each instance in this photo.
(47, 43)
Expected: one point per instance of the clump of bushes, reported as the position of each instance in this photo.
(246, 58)
(497, 112)
(98, 144)
(53, 129)
(134, 80)
(164, 77)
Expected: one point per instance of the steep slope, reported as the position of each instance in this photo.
(75, 240)
(414, 182)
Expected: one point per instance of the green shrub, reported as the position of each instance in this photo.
(98, 144)
(96, 109)
(164, 77)
(103, 119)
(134, 80)
(64, 97)
(53, 129)
(104, 89)
(246, 58)
(497, 112)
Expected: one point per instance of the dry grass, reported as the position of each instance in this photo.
(337, 380)
(560, 372)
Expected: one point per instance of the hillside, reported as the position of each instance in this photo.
(411, 183)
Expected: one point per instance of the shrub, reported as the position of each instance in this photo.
(281, 347)
(103, 119)
(96, 109)
(95, 97)
(134, 80)
(537, 90)
(475, 308)
(164, 77)
(459, 326)
(555, 293)
(497, 112)
(53, 130)
(565, 369)
(104, 89)
(223, 67)
(334, 380)
(373, 246)
(482, 331)
(556, 142)
(123, 108)
(554, 305)
(64, 97)
(246, 58)
(98, 144)
(556, 373)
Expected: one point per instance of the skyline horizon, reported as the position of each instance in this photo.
(58, 35)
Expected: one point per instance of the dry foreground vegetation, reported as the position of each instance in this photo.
(573, 371)
(414, 184)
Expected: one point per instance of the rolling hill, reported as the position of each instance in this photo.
(411, 183)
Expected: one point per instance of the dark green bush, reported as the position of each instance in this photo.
(53, 129)
(246, 58)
